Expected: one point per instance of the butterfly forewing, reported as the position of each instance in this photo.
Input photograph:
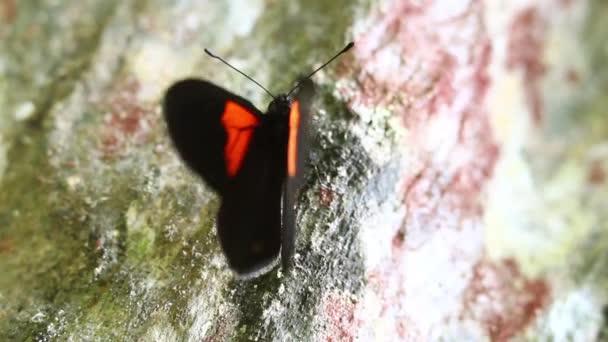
(297, 155)
(194, 110)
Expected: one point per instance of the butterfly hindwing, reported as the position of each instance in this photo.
(297, 154)
(249, 219)
(202, 118)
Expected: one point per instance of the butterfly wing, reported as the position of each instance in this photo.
(297, 154)
(249, 219)
(223, 138)
(210, 127)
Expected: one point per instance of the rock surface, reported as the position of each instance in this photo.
(457, 191)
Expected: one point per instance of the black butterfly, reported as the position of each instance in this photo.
(254, 161)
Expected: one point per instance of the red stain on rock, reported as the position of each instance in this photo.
(387, 283)
(326, 196)
(430, 69)
(502, 299)
(437, 72)
(525, 49)
(573, 77)
(566, 3)
(339, 313)
(411, 183)
(8, 11)
(483, 57)
(468, 182)
(99, 244)
(398, 239)
(475, 135)
(126, 121)
(7, 245)
(597, 174)
(221, 332)
(444, 91)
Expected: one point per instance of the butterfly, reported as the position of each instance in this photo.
(255, 162)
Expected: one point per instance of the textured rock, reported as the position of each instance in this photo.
(458, 188)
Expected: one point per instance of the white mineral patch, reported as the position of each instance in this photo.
(508, 113)
(565, 52)
(133, 217)
(38, 317)
(537, 218)
(24, 111)
(154, 64)
(243, 15)
(372, 133)
(446, 10)
(435, 296)
(157, 63)
(161, 332)
(205, 310)
(379, 228)
(574, 316)
(73, 182)
(192, 21)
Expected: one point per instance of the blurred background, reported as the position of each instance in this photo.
(457, 188)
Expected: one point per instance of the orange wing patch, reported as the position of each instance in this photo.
(292, 143)
(238, 123)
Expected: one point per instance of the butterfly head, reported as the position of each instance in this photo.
(280, 105)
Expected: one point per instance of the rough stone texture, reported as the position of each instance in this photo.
(458, 188)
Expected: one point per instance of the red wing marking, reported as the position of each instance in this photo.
(239, 124)
(292, 143)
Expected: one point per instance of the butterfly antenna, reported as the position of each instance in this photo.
(346, 48)
(239, 71)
